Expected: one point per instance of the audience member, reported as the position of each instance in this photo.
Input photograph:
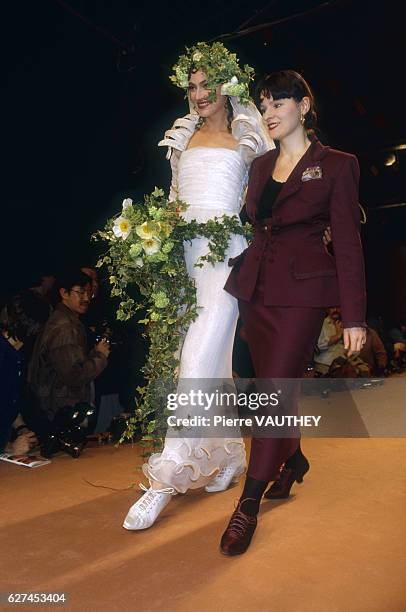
(62, 369)
(9, 372)
(22, 440)
(330, 344)
(374, 354)
(398, 336)
(25, 313)
(330, 356)
(14, 332)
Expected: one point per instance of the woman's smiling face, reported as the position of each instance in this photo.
(283, 117)
(198, 95)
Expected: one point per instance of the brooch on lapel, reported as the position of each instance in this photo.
(314, 172)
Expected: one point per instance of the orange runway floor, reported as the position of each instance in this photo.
(338, 544)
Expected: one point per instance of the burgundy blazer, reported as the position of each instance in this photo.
(299, 271)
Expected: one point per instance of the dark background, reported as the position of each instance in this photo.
(87, 97)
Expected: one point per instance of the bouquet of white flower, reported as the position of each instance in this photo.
(146, 248)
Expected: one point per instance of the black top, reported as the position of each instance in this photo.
(268, 197)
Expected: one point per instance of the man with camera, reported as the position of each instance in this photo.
(62, 369)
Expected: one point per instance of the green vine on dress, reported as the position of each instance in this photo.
(146, 248)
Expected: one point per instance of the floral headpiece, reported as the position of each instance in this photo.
(221, 68)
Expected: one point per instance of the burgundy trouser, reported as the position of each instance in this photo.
(281, 340)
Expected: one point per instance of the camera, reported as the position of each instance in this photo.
(70, 428)
(110, 341)
(101, 337)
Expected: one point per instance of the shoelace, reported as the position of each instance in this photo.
(149, 500)
(223, 471)
(238, 523)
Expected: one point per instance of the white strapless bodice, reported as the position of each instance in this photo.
(212, 181)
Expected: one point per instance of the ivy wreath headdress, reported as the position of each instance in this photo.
(220, 67)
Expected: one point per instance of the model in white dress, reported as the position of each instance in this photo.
(212, 181)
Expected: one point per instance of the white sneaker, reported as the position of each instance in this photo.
(146, 510)
(227, 475)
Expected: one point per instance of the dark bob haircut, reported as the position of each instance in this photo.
(287, 84)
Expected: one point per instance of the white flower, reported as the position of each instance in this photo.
(151, 246)
(127, 203)
(182, 77)
(232, 89)
(147, 230)
(196, 57)
(139, 262)
(121, 228)
(164, 229)
(234, 80)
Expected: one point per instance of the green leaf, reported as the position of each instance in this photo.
(167, 295)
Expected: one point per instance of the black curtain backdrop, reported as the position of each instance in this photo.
(82, 121)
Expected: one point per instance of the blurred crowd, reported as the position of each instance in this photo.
(68, 369)
(383, 354)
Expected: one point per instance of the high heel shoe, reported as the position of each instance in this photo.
(238, 535)
(146, 510)
(226, 476)
(294, 470)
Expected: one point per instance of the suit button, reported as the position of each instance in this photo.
(265, 227)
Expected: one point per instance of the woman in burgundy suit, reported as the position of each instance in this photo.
(286, 278)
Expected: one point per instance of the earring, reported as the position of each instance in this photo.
(302, 118)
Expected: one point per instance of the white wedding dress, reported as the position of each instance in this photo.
(212, 181)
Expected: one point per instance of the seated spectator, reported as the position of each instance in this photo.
(62, 369)
(9, 372)
(330, 344)
(374, 354)
(397, 335)
(398, 332)
(22, 440)
(330, 357)
(12, 376)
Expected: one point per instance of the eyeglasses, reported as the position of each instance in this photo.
(83, 293)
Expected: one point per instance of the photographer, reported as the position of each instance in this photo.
(62, 370)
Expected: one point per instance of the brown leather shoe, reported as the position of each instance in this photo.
(238, 535)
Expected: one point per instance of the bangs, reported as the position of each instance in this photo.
(279, 85)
